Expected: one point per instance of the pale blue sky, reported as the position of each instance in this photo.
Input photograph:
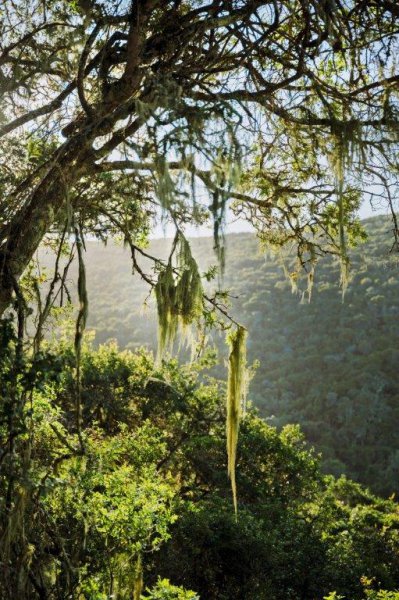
(237, 225)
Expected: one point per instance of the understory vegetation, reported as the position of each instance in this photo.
(134, 500)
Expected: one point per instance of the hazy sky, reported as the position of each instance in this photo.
(237, 225)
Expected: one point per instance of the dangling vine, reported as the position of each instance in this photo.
(80, 327)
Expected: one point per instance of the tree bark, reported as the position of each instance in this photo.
(35, 219)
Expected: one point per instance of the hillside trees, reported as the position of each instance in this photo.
(149, 500)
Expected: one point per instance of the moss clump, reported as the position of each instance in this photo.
(179, 295)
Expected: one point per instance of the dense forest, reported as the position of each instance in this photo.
(142, 500)
(329, 364)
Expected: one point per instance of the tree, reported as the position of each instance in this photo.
(111, 109)
(115, 111)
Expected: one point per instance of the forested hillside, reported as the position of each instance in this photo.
(330, 365)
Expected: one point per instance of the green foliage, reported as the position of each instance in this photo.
(165, 591)
(287, 541)
(113, 498)
(381, 595)
(147, 498)
(370, 592)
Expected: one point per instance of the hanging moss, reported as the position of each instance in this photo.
(305, 264)
(311, 271)
(344, 262)
(218, 210)
(342, 156)
(165, 292)
(310, 282)
(179, 295)
(236, 391)
(83, 299)
(165, 187)
(138, 580)
(226, 172)
(189, 292)
(291, 276)
(344, 274)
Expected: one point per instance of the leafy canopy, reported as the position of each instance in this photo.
(112, 111)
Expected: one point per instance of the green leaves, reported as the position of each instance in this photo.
(149, 496)
(164, 590)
